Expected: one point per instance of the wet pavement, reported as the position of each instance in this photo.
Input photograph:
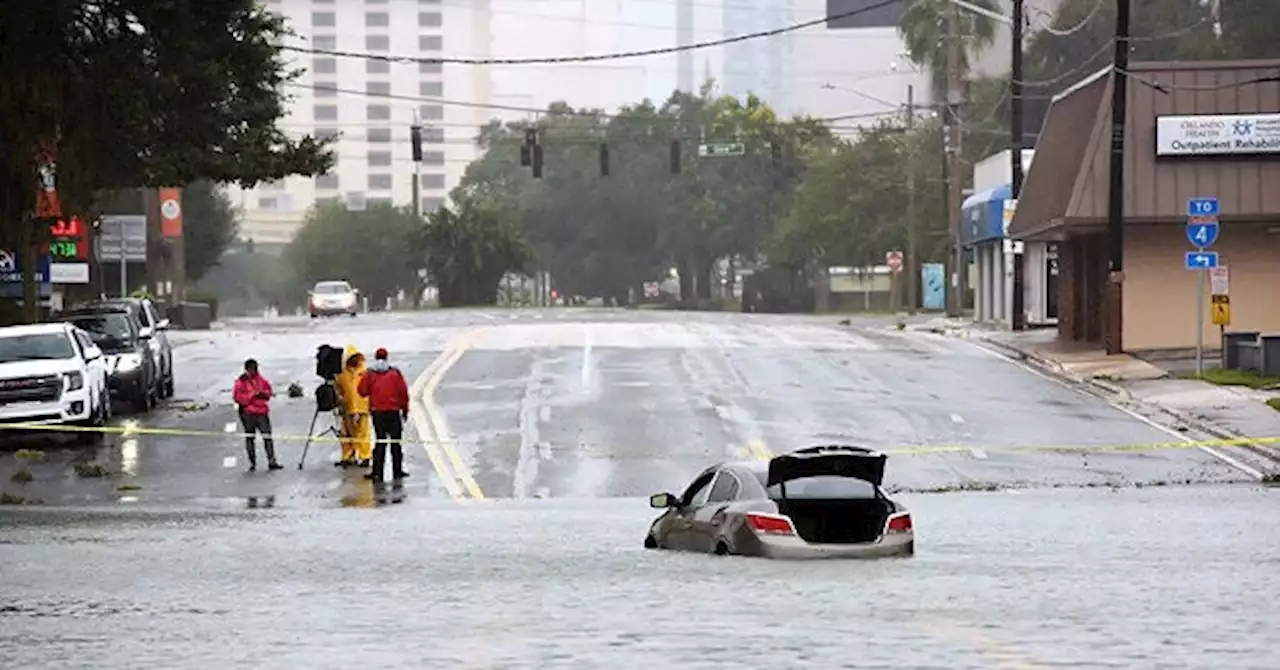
(1181, 577)
(516, 540)
(605, 403)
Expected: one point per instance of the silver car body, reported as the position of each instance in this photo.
(836, 509)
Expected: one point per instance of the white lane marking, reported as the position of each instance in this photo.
(229, 462)
(956, 418)
(586, 358)
(1150, 422)
(230, 427)
(978, 454)
(634, 385)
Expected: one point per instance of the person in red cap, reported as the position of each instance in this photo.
(388, 396)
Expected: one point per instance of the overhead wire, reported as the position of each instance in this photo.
(1048, 26)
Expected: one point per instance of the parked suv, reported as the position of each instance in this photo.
(53, 373)
(131, 373)
(153, 331)
(328, 298)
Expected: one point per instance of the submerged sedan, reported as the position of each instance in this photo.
(819, 502)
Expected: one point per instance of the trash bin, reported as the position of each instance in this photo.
(1230, 354)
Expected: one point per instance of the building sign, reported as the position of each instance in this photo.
(69, 241)
(1218, 135)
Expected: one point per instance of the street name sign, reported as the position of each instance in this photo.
(722, 149)
(1201, 260)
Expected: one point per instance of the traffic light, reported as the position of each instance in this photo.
(415, 139)
(537, 161)
(604, 159)
(526, 149)
(675, 156)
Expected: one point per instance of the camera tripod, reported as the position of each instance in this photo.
(312, 435)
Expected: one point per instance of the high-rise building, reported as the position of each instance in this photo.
(369, 105)
(761, 66)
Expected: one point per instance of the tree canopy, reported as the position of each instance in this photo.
(210, 224)
(375, 249)
(468, 249)
(142, 93)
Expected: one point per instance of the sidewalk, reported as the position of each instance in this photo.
(1224, 411)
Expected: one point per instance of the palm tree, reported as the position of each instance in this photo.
(924, 28)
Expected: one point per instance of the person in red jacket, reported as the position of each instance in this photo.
(388, 396)
(252, 393)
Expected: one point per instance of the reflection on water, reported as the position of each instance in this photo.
(367, 494)
(129, 456)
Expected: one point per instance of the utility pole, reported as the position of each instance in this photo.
(415, 140)
(955, 301)
(1015, 150)
(1113, 338)
(912, 269)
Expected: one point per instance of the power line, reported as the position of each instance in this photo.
(528, 109)
(587, 58)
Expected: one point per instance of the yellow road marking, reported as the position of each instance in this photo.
(424, 431)
(759, 450)
(443, 438)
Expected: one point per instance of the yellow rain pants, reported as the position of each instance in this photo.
(357, 427)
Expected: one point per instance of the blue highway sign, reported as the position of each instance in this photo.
(1202, 207)
(1201, 260)
(1202, 233)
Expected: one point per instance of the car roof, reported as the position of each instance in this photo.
(333, 282)
(35, 329)
(97, 308)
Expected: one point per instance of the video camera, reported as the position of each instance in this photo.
(328, 366)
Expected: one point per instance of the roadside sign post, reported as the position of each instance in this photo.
(1202, 232)
(1220, 292)
(893, 259)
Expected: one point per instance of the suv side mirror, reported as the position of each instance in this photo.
(163, 324)
(663, 501)
(144, 334)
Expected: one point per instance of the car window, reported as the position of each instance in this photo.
(85, 343)
(724, 489)
(697, 492)
(109, 330)
(826, 487)
(36, 347)
(144, 317)
(332, 287)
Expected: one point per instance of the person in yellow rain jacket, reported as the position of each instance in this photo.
(357, 433)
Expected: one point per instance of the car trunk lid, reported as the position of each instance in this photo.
(832, 461)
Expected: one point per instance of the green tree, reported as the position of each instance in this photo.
(141, 93)
(924, 31)
(469, 249)
(604, 235)
(210, 224)
(373, 249)
(1249, 28)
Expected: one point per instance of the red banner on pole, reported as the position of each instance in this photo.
(171, 212)
(47, 203)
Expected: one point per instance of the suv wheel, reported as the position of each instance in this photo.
(168, 386)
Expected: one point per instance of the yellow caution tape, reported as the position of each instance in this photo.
(756, 450)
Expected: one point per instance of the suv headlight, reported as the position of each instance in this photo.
(128, 363)
(75, 381)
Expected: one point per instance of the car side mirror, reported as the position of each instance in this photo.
(144, 334)
(163, 324)
(663, 501)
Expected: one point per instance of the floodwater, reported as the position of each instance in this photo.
(1165, 577)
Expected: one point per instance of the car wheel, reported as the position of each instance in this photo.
(722, 549)
(141, 400)
(168, 386)
(650, 542)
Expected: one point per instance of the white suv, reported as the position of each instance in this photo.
(328, 298)
(53, 373)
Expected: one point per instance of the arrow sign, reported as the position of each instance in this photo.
(1201, 260)
(1202, 233)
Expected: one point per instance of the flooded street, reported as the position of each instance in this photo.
(1161, 577)
(516, 542)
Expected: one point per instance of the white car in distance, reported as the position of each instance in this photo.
(53, 373)
(331, 298)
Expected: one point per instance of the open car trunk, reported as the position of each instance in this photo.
(837, 521)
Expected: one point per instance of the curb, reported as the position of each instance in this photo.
(1117, 392)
